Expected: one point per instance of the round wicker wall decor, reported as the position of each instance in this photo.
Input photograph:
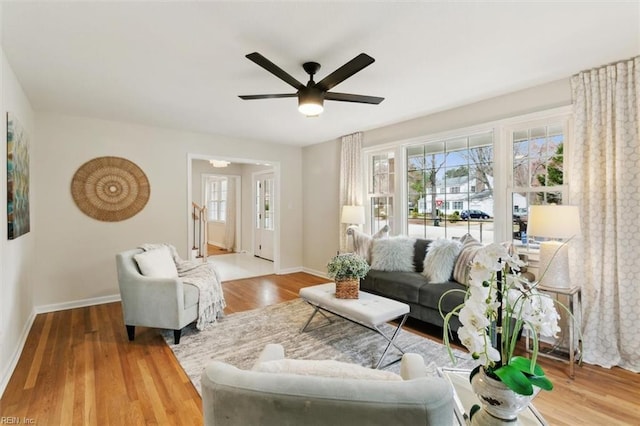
(110, 189)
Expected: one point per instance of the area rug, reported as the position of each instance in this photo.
(238, 339)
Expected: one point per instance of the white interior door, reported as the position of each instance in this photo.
(265, 204)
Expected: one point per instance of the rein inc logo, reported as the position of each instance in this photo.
(17, 421)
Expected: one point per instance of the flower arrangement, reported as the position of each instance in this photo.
(499, 302)
(347, 267)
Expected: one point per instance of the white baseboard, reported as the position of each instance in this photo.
(77, 304)
(289, 270)
(8, 371)
(320, 274)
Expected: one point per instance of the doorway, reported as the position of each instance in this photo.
(265, 213)
(245, 172)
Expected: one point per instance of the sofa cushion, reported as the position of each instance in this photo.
(402, 286)
(430, 295)
(470, 247)
(440, 259)
(419, 251)
(393, 254)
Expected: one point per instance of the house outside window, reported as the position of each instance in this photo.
(449, 169)
(216, 198)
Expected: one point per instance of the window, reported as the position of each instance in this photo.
(459, 171)
(537, 173)
(478, 180)
(216, 198)
(381, 190)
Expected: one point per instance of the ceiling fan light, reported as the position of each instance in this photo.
(310, 102)
(310, 109)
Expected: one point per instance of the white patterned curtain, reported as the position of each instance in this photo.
(350, 179)
(605, 165)
(230, 225)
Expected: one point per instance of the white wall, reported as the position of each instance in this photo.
(17, 257)
(322, 170)
(321, 211)
(76, 253)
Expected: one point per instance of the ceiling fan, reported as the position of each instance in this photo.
(312, 96)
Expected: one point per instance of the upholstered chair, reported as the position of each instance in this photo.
(231, 396)
(166, 303)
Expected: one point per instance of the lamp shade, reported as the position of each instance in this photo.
(553, 221)
(352, 215)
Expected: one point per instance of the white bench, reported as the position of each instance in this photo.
(368, 310)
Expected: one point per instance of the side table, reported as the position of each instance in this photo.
(465, 398)
(574, 352)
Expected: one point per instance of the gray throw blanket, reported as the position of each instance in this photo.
(203, 275)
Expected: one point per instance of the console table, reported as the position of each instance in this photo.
(574, 295)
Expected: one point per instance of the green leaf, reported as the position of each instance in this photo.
(514, 379)
(474, 409)
(524, 364)
(542, 382)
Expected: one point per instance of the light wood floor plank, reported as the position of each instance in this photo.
(79, 368)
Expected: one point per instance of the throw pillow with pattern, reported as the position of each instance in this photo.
(470, 247)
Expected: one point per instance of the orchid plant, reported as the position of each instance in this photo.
(500, 302)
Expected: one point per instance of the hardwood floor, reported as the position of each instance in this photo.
(78, 368)
(215, 250)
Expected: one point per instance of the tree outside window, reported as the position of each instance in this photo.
(381, 190)
(538, 173)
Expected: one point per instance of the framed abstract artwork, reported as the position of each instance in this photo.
(17, 179)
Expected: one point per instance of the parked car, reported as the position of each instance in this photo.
(473, 214)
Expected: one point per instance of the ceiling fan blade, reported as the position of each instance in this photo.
(347, 70)
(273, 96)
(349, 97)
(274, 69)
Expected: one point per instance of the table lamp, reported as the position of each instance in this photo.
(352, 215)
(559, 224)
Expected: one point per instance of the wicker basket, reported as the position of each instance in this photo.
(347, 289)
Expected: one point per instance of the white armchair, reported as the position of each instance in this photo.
(231, 396)
(154, 302)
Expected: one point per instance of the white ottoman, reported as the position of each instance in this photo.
(369, 310)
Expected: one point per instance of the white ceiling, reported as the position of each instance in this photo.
(182, 65)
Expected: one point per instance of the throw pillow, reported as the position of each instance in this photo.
(325, 368)
(440, 259)
(156, 263)
(470, 247)
(393, 254)
(362, 243)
